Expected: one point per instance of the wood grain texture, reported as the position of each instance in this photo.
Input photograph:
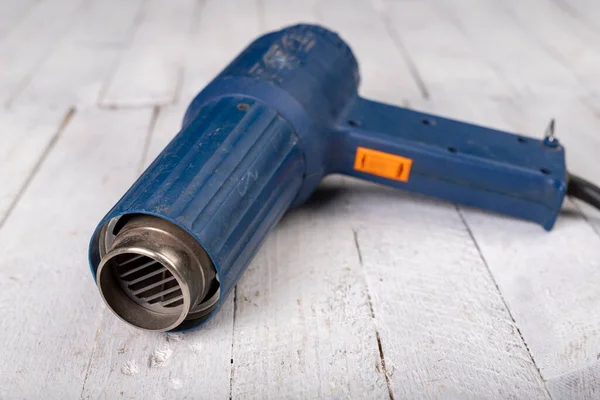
(45, 284)
(168, 124)
(277, 14)
(129, 363)
(27, 134)
(584, 11)
(224, 28)
(150, 71)
(385, 74)
(581, 384)
(303, 326)
(547, 290)
(30, 41)
(85, 59)
(516, 55)
(547, 279)
(11, 12)
(445, 330)
(566, 39)
(446, 60)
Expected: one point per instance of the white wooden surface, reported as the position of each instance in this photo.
(365, 292)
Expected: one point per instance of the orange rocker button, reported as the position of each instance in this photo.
(382, 164)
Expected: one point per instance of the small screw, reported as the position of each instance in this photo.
(549, 139)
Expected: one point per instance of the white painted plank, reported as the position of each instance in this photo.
(277, 14)
(31, 41)
(553, 320)
(581, 384)
(445, 330)
(167, 126)
(84, 60)
(27, 134)
(48, 299)
(548, 279)
(385, 74)
(11, 13)
(150, 71)
(447, 62)
(554, 315)
(571, 43)
(224, 29)
(149, 365)
(585, 11)
(501, 41)
(157, 366)
(303, 326)
(438, 59)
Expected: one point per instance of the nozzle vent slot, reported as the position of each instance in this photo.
(147, 282)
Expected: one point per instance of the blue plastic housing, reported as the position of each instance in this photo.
(285, 113)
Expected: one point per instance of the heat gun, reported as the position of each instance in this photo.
(259, 139)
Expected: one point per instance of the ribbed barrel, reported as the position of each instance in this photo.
(226, 178)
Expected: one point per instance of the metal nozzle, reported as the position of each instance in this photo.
(154, 275)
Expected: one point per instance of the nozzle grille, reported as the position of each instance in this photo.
(154, 276)
(147, 282)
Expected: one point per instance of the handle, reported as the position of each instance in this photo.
(451, 160)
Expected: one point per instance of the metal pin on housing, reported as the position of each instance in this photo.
(549, 139)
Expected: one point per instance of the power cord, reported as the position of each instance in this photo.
(583, 190)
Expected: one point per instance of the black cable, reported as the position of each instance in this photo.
(584, 190)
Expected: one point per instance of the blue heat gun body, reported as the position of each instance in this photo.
(258, 140)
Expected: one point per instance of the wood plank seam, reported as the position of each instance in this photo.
(554, 54)
(262, 18)
(455, 21)
(16, 21)
(193, 28)
(151, 129)
(493, 278)
(92, 354)
(412, 67)
(177, 91)
(197, 16)
(425, 93)
(570, 10)
(39, 63)
(144, 156)
(137, 21)
(370, 300)
(151, 52)
(51, 144)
